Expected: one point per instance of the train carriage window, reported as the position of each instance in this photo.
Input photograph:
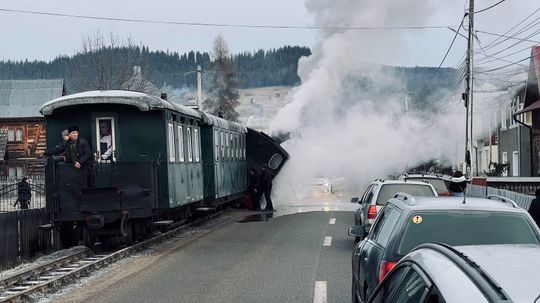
(216, 142)
(189, 145)
(181, 152)
(222, 144)
(244, 147)
(236, 147)
(105, 141)
(172, 145)
(196, 144)
(229, 147)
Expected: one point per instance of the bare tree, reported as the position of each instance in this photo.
(110, 63)
(223, 93)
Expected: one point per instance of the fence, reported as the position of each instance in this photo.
(8, 193)
(20, 236)
(524, 201)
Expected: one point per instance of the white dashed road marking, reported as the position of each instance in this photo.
(327, 241)
(333, 221)
(320, 292)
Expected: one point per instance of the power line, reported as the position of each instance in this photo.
(492, 43)
(501, 67)
(407, 27)
(448, 50)
(509, 37)
(490, 7)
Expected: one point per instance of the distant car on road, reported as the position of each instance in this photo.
(408, 221)
(379, 192)
(441, 273)
(437, 181)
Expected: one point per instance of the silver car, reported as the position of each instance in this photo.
(379, 192)
(482, 273)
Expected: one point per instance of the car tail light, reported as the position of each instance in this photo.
(444, 194)
(372, 212)
(385, 268)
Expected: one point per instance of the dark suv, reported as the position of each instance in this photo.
(407, 222)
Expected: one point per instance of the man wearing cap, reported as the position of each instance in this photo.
(77, 149)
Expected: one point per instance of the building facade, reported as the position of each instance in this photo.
(22, 127)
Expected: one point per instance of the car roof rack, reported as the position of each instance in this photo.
(487, 285)
(380, 179)
(405, 198)
(503, 199)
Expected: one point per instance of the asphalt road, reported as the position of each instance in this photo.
(279, 260)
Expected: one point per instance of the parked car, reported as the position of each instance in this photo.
(379, 192)
(408, 221)
(483, 273)
(437, 181)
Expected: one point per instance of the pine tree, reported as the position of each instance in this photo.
(223, 93)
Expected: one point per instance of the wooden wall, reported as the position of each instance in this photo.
(24, 153)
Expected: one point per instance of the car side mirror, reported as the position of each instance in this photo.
(355, 200)
(356, 231)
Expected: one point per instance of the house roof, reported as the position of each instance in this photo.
(23, 98)
(534, 106)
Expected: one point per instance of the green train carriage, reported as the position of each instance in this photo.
(164, 160)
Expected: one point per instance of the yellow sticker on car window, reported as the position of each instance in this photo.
(417, 219)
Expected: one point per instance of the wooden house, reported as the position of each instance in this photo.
(22, 127)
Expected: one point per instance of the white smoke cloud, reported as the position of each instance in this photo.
(348, 116)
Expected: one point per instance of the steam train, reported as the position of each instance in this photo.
(154, 162)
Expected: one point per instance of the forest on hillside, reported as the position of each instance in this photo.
(254, 69)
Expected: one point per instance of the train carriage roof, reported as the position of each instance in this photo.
(220, 122)
(143, 101)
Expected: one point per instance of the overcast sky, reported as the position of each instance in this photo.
(44, 37)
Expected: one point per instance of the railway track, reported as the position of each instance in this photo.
(67, 269)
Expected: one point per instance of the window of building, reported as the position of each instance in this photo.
(172, 145)
(505, 161)
(15, 135)
(503, 118)
(105, 138)
(15, 172)
(196, 144)
(189, 145)
(181, 152)
(11, 135)
(515, 164)
(19, 135)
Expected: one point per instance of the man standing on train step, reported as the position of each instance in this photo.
(77, 149)
(265, 187)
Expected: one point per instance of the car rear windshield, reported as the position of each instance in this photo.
(466, 228)
(439, 185)
(388, 191)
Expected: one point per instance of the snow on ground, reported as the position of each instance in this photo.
(31, 264)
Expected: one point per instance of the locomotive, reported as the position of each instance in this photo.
(154, 162)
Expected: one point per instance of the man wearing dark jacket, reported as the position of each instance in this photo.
(534, 209)
(24, 194)
(77, 149)
(265, 187)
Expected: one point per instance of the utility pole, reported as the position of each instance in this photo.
(470, 153)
